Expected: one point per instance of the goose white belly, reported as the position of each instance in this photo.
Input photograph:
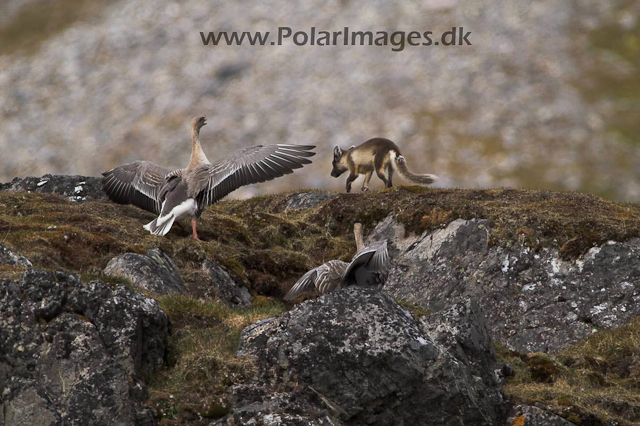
(162, 224)
(187, 207)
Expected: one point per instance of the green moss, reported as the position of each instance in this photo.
(268, 248)
(234, 266)
(573, 418)
(570, 222)
(417, 310)
(99, 275)
(203, 363)
(11, 272)
(542, 369)
(593, 382)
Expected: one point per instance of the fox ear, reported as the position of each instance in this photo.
(337, 152)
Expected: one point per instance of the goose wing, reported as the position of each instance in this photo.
(305, 285)
(320, 280)
(209, 183)
(373, 258)
(136, 183)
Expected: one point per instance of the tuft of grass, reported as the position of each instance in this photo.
(417, 310)
(203, 363)
(11, 272)
(593, 382)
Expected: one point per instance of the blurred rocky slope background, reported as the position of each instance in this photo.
(547, 97)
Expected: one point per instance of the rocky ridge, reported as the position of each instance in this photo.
(356, 356)
(75, 188)
(535, 301)
(77, 353)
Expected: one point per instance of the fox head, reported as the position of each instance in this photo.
(339, 162)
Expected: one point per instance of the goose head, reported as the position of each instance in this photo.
(198, 122)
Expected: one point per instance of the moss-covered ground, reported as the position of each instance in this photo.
(267, 248)
(593, 383)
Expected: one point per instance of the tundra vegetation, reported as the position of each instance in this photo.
(267, 247)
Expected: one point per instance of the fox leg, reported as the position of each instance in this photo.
(365, 182)
(350, 180)
(389, 182)
(382, 174)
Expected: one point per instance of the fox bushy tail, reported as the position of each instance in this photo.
(400, 164)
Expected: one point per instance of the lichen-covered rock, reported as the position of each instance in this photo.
(155, 271)
(7, 257)
(305, 200)
(394, 233)
(527, 415)
(534, 301)
(76, 354)
(356, 356)
(289, 408)
(75, 188)
(225, 288)
(462, 330)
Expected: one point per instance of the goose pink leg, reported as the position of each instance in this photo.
(195, 234)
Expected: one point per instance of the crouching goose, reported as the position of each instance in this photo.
(368, 267)
(173, 194)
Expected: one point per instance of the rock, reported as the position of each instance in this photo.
(155, 271)
(305, 200)
(7, 257)
(534, 302)
(393, 232)
(268, 411)
(226, 289)
(74, 353)
(527, 415)
(462, 330)
(355, 355)
(75, 188)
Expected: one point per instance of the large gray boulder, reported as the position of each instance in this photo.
(155, 271)
(354, 356)
(76, 354)
(75, 188)
(534, 301)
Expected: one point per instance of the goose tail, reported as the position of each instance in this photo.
(161, 225)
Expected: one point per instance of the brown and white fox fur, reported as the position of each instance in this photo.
(377, 154)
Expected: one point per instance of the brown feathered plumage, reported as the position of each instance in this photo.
(368, 267)
(186, 192)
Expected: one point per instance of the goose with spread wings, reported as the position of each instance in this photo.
(173, 194)
(369, 267)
